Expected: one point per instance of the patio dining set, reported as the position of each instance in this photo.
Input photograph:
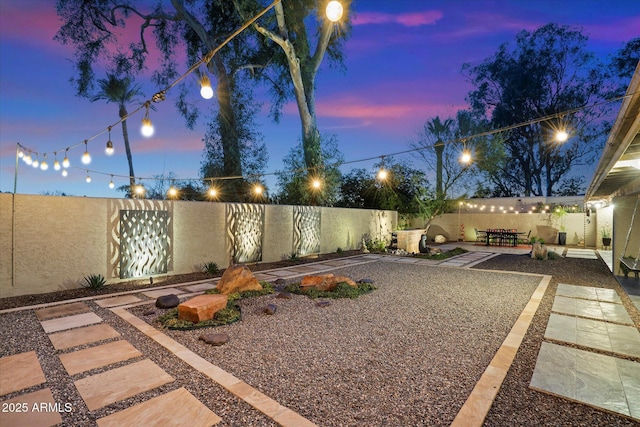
(502, 236)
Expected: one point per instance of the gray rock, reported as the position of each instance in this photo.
(270, 309)
(366, 281)
(168, 301)
(323, 303)
(284, 295)
(215, 339)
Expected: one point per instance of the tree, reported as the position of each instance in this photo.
(93, 28)
(297, 61)
(120, 91)
(625, 61)
(549, 72)
(296, 187)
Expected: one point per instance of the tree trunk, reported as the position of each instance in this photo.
(439, 147)
(127, 148)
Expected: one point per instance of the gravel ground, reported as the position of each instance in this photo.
(407, 354)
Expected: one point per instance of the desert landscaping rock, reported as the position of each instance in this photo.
(202, 307)
(323, 303)
(238, 278)
(167, 301)
(325, 282)
(270, 309)
(284, 295)
(215, 339)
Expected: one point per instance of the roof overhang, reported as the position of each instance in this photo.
(618, 172)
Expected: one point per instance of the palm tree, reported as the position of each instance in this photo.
(439, 129)
(120, 91)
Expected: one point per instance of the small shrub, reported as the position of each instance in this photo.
(210, 268)
(375, 245)
(94, 281)
(552, 255)
(339, 251)
(341, 291)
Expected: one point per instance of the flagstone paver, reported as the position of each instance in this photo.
(99, 356)
(20, 371)
(62, 310)
(588, 292)
(75, 321)
(581, 253)
(160, 292)
(115, 301)
(172, 409)
(38, 408)
(597, 380)
(591, 308)
(200, 287)
(81, 336)
(117, 384)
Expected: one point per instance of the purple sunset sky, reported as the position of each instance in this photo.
(403, 67)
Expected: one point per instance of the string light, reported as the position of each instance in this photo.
(382, 174)
(147, 126)
(65, 161)
(88, 178)
(86, 157)
(27, 159)
(172, 191)
(56, 163)
(36, 162)
(20, 153)
(111, 184)
(334, 11)
(465, 158)
(257, 189)
(64, 172)
(109, 148)
(205, 87)
(562, 136)
(44, 165)
(213, 193)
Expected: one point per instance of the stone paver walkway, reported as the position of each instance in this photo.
(74, 324)
(591, 318)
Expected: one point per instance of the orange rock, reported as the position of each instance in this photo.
(202, 307)
(238, 278)
(325, 282)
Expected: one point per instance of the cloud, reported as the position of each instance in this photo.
(413, 19)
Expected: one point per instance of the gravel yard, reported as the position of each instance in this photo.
(407, 354)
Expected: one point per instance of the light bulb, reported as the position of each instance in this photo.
(562, 136)
(44, 166)
(86, 157)
(56, 165)
(147, 127)
(465, 157)
(334, 11)
(65, 161)
(316, 184)
(109, 149)
(213, 192)
(257, 189)
(88, 179)
(64, 172)
(27, 159)
(205, 87)
(382, 174)
(20, 154)
(139, 189)
(172, 191)
(36, 163)
(111, 184)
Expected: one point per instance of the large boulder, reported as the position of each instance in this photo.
(238, 278)
(202, 307)
(167, 301)
(539, 251)
(325, 282)
(440, 239)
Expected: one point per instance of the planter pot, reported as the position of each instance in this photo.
(562, 238)
(606, 241)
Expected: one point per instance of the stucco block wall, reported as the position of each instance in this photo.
(60, 240)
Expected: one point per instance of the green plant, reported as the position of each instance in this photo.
(342, 290)
(210, 268)
(94, 281)
(552, 255)
(339, 251)
(442, 255)
(606, 232)
(375, 245)
(535, 239)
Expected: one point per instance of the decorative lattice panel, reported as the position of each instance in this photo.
(141, 243)
(306, 230)
(245, 227)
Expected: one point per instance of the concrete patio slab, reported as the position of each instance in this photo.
(169, 410)
(62, 310)
(160, 292)
(117, 384)
(599, 310)
(82, 336)
(20, 371)
(75, 321)
(200, 287)
(99, 356)
(38, 412)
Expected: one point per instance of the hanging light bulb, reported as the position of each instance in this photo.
(257, 189)
(172, 192)
(65, 161)
(56, 163)
(44, 165)
(316, 184)
(213, 192)
(147, 126)
(109, 148)
(36, 162)
(27, 159)
(205, 87)
(334, 11)
(64, 172)
(111, 184)
(88, 178)
(20, 153)
(383, 174)
(139, 190)
(86, 157)
(562, 136)
(465, 158)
